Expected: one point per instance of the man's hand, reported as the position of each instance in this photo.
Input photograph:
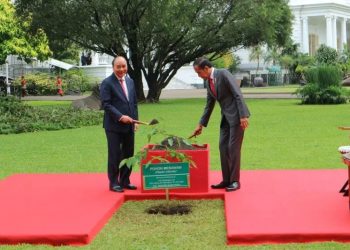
(197, 131)
(126, 119)
(136, 127)
(244, 122)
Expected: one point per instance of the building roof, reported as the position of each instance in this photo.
(60, 64)
(307, 2)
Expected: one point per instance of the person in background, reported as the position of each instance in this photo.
(59, 86)
(23, 86)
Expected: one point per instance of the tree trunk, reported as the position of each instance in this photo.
(153, 89)
(137, 77)
(153, 94)
(136, 72)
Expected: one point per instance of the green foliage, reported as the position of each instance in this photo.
(77, 80)
(273, 54)
(39, 84)
(171, 144)
(296, 62)
(65, 51)
(311, 75)
(323, 86)
(162, 35)
(17, 38)
(313, 94)
(329, 76)
(228, 61)
(324, 76)
(224, 61)
(16, 117)
(45, 84)
(326, 55)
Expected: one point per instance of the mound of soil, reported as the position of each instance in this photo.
(173, 142)
(169, 209)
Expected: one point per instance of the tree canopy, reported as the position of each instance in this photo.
(16, 38)
(159, 36)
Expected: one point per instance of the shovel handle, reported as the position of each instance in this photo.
(344, 128)
(140, 122)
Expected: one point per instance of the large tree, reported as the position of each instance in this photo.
(160, 36)
(16, 38)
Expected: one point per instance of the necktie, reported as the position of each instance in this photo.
(212, 87)
(122, 83)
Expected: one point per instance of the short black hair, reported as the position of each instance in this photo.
(201, 62)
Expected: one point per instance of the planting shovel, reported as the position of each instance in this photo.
(193, 135)
(152, 122)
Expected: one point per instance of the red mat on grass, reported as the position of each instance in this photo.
(288, 206)
(272, 206)
(55, 209)
(62, 209)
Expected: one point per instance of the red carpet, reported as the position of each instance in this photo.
(55, 208)
(272, 207)
(288, 206)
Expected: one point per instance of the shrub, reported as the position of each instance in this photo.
(16, 117)
(311, 75)
(332, 95)
(39, 84)
(77, 80)
(326, 55)
(313, 94)
(74, 80)
(323, 86)
(329, 76)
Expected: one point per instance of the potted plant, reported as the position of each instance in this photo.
(173, 149)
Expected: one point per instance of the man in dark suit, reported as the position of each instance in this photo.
(118, 97)
(222, 87)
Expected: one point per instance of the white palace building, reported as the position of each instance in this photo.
(315, 22)
(319, 22)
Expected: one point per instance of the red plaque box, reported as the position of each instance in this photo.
(199, 174)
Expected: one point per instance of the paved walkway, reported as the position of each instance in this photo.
(170, 94)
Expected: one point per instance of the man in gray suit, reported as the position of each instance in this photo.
(222, 87)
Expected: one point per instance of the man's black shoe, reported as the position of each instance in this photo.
(221, 185)
(233, 186)
(130, 187)
(116, 188)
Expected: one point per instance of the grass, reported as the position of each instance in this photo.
(271, 89)
(285, 89)
(282, 135)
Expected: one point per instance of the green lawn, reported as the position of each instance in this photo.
(291, 88)
(282, 135)
(271, 89)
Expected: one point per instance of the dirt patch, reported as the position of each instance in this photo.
(174, 142)
(170, 209)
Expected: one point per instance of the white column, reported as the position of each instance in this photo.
(343, 33)
(95, 59)
(305, 34)
(329, 31)
(334, 35)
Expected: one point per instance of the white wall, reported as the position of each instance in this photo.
(185, 78)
